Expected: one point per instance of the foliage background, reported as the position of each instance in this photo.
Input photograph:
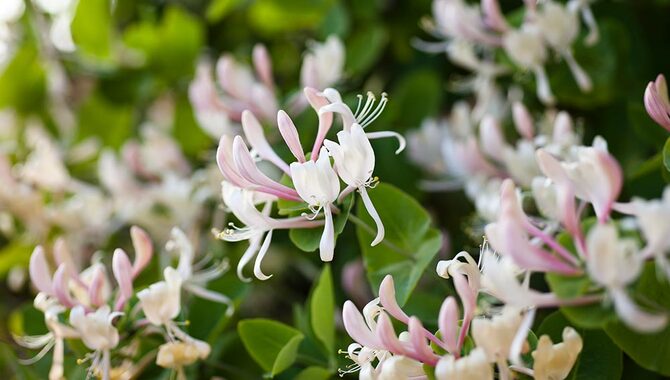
(145, 49)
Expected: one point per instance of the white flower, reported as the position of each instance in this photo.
(558, 25)
(176, 355)
(614, 263)
(354, 162)
(323, 65)
(495, 335)
(316, 182)
(560, 28)
(527, 49)
(474, 366)
(354, 156)
(653, 217)
(318, 185)
(11, 10)
(161, 302)
(96, 328)
(554, 361)
(594, 174)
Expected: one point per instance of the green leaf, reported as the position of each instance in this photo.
(273, 16)
(599, 359)
(191, 138)
(322, 310)
(23, 81)
(107, 121)
(666, 154)
(313, 373)
(416, 96)
(365, 48)
(272, 344)
(92, 29)
(14, 254)
(409, 245)
(171, 47)
(218, 9)
(650, 351)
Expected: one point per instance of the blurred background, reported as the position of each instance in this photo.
(130, 62)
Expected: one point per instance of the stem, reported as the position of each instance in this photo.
(359, 222)
(553, 244)
(106, 364)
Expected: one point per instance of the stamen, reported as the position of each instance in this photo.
(360, 101)
(372, 116)
(315, 212)
(369, 102)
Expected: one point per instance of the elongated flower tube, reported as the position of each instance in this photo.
(242, 203)
(656, 101)
(354, 162)
(319, 186)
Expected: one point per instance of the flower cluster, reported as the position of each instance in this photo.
(610, 261)
(478, 158)
(315, 179)
(499, 336)
(473, 35)
(87, 306)
(219, 104)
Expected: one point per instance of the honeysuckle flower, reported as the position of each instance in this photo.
(62, 13)
(323, 64)
(397, 367)
(242, 90)
(208, 108)
(354, 162)
(614, 263)
(318, 185)
(495, 335)
(54, 339)
(44, 166)
(527, 49)
(555, 361)
(594, 175)
(176, 355)
(96, 328)
(509, 236)
(474, 366)
(194, 281)
(365, 113)
(457, 19)
(656, 101)
(258, 224)
(98, 333)
(560, 28)
(651, 216)
(161, 301)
